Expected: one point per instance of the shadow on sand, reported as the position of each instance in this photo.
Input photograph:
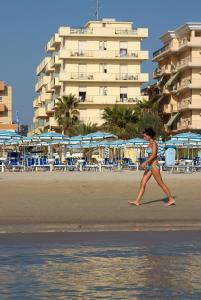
(164, 200)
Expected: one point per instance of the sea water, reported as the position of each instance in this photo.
(101, 265)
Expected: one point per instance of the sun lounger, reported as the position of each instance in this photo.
(91, 167)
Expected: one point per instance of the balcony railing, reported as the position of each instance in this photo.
(161, 71)
(102, 76)
(185, 122)
(104, 53)
(183, 62)
(161, 50)
(122, 31)
(182, 85)
(82, 76)
(184, 103)
(183, 42)
(126, 76)
(81, 31)
(105, 76)
(107, 99)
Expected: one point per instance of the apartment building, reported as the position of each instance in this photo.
(178, 75)
(6, 107)
(100, 64)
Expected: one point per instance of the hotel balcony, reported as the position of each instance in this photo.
(184, 124)
(185, 104)
(188, 62)
(55, 61)
(101, 77)
(161, 71)
(100, 32)
(49, 88)
(167, 108)
(164, 51)
(49, 107)
(55, 82)
(41, 83)
(43, 98)
(104, 54)
(41, 67)
(192, 42)
(56, 39)
(52, 123)
(183, 85)
(36, 104)
(109, 99)
(41, 113)
(2, 107)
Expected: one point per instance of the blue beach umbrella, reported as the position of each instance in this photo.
(187, 136)
(99, 136)
(137, 141)
(49, 136)
(8, 135)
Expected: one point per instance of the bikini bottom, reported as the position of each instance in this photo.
(149, 167)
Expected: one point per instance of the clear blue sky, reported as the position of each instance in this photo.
(26, 26)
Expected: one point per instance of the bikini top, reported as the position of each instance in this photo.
(149, 150)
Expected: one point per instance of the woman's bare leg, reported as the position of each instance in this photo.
(145, 179)
(157, 176)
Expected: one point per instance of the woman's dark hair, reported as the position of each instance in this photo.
(150, 132)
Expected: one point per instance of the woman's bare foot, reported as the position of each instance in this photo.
(137, 203)
(170, 202)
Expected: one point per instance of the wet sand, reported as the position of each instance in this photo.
(92, 201)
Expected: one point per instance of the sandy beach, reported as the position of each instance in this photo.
(90, 201)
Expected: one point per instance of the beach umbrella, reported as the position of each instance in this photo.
(48, 136)
(8, 135)
(76, 139)
(187, 136)
(99, 136)
(137, 141)
(189, 139)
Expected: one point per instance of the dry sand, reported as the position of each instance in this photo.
(91, 201)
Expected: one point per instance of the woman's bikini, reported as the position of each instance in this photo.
(149, 167)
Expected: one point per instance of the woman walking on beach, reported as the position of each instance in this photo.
(152, 167)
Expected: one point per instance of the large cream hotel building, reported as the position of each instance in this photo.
(179, 77)
(100, 64)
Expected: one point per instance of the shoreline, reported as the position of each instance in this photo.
(94, 202)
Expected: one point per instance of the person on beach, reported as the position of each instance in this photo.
(152, 167)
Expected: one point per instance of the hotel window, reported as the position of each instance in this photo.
(103, 90)
(102, 45)
(103, 68)
(81, 47)
(82, 71)
(123, 49)
(123, 94)
(82, 93)
(124, 72)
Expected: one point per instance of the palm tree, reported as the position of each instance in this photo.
(82, 129)
(145, 106)
(66, 112)
(119, 116)
(151, 120)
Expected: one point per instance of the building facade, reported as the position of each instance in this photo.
(178, 77)
(6, 107)
(100, 64)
